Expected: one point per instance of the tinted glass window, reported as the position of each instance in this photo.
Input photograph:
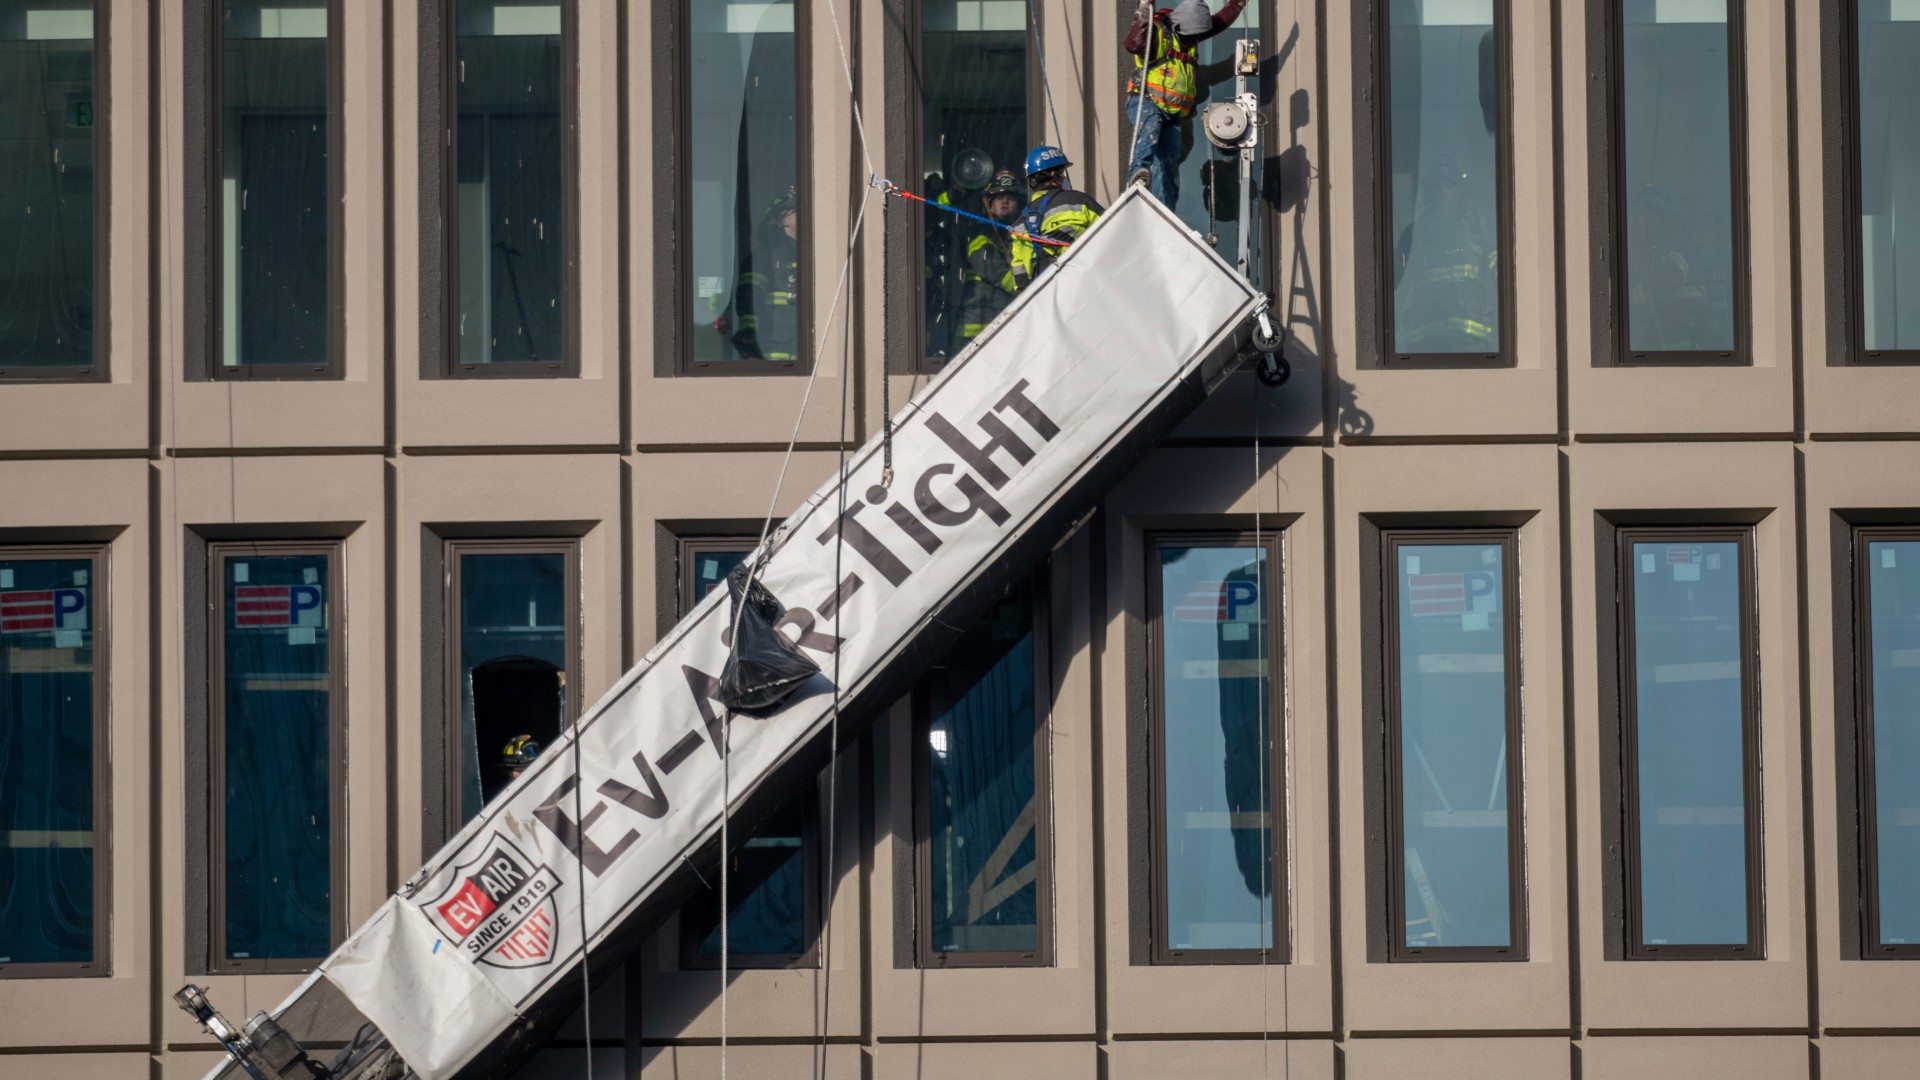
(1889, 149)
(1690, 743)
(46, 761)
(743, 151)
(277, 690)
(1455, 872)
(766, 889)
(46, 184)
(1893, 577)
(1677, 157)
(510, 200)
(1216, 772)
(513, 647)
(1210, 181)
(981, 805)
(273, 183)
(1443, 134)
(710, 570)
(973, 122)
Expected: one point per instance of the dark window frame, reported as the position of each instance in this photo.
(1620, 311)
(98, 371)
(681, 265)
(334, 368)
(1628, 763)
(1508, 540)
(1042, 955)
(687, 550)
(101, 595)
(1386, 256)
(919, 363)
(453, 550)
(451, 366)
(1853, 139)
(1281, 952)
(218, 552)
(1871, 947)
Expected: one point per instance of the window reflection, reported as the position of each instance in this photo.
(513, 649)
(743, 152)
(1889, 177)
(273, 183)
(1893, 576)
(982, 810)
(47, 121)
(46, 761)
(1677, 162)
(1217, 771)
(1215, 176)
(1443, 148)
(277, 663)
(973, 123)
(511, 269)
(1452, 714)
(1690, 742)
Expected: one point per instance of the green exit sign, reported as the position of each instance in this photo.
(81, 114)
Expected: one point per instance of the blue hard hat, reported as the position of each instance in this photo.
(1042, 158)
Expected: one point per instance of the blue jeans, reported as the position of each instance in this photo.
(1157, 148)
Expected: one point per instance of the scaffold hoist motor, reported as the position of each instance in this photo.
(1234, 127)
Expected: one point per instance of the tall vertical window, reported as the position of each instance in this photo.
(511, 154)
(980, 750)
(973, 78)
(744, 220)
(1210, 181)
(1679, 142)
(514, 611)
(52, 698)
(1444, 158)
(1886, 180)
(274, 160)
(773, 889)
(278, 722)
(47, 177)
(1887, 571)
(1453, 723)
(1690, 743)
(1217, 769)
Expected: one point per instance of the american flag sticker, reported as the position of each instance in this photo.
(278, 606)
(1474, 591)
(33, 611)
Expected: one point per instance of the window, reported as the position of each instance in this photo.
(1887, 563)
(52, 740)
(773, 887)
(1691, 750)
(1213, 606)
(982, 884)
(1680, 214)
(275, 159)
(515, 610)
(511, 271)
(1209, 180)
(278, 720)
(48, 87)
(745, 222)
(1885, 261)
(974, 80)
(1446, 187)
(1455, 886)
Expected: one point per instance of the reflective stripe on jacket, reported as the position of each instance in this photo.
(1065, 215)
(1172, 82)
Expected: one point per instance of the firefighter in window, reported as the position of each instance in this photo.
(766, 296)
(514, 759)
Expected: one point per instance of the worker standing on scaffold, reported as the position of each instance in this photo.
(1165, 48)
(1054, 212)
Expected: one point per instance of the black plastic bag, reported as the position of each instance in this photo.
(764, 668)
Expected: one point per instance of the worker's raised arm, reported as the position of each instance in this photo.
(1136, 40)
(1224, 18)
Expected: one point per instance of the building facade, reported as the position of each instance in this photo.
(1521, 691)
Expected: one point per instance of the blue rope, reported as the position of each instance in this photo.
(893, 189)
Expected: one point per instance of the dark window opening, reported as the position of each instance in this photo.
(518, 705)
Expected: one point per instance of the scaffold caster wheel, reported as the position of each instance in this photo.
(1272, 369)
(1268, 343)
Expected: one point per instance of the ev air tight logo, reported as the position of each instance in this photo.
(499, 910)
